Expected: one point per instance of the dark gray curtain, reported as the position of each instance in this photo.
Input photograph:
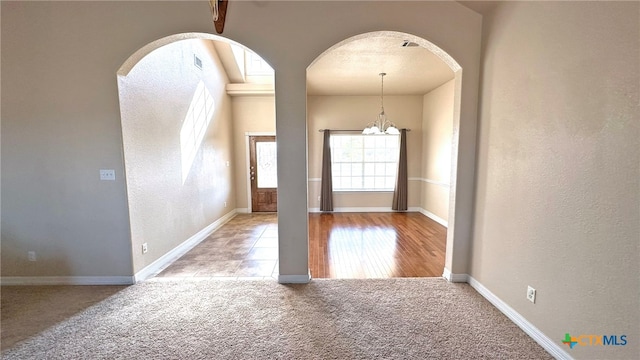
(400, 192)
(326, 191)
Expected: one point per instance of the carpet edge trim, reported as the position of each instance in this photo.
(538, 336)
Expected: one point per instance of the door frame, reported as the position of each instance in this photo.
(248, 135)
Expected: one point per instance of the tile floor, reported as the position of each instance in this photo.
(244, 247)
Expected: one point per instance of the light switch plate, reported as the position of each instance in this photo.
(107, 174)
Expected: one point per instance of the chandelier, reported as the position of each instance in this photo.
(381, 125)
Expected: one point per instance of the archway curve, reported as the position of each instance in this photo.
(443, 55)
(127, 73)
(457, 71)
(131, 62)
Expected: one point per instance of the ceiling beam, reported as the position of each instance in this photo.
(219, 7)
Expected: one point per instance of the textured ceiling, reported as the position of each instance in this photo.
(353, 69)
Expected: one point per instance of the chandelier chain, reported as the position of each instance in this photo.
(382, 91)
(214, 9)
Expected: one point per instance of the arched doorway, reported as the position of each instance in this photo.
(348, 92)
(183, 142)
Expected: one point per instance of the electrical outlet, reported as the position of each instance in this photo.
(145, 248)
(318, 198)
(107, 174)
(225, 204)
(31, 255)
(531, 294)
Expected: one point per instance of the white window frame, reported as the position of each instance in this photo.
(372, 165)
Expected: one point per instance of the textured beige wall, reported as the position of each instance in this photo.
(437, 136)
(61, 122)
(558, 169)
(154, 99)
(355, 112)
(250, 114)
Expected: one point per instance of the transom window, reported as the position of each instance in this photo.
(364, 162)
(256, 65)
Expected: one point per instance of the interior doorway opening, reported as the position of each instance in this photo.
(422, 90)
(186, 102)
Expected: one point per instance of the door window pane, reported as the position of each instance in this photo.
(267, 169)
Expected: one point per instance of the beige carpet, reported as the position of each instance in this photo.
(213, 319)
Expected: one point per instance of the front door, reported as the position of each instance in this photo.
(263, 173)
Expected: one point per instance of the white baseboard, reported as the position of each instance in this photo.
(451, 277)
(548, 344)
(243, 211)
(66, 280)
(168, 258)
(434, 217)
(294, 279)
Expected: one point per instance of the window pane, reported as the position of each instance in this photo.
(369, 155)
(392, 141)
(391, 169)
(357, 155)
(337, 182)
(369, 142)
(390, 182)
(368, 183)
(369, 169)
(345, 169)
(356, 170)
(266, 164)
(356, 183)
(362, 162)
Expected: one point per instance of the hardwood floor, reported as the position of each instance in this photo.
(341, 245)
(375, 245)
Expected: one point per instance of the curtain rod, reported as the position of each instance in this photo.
(323, 130)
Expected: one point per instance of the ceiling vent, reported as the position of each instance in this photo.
(408, 43)
(197, 62)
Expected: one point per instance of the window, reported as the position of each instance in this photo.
(256, 65)
(364, 162)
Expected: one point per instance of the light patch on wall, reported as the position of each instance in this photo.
(195, 126)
